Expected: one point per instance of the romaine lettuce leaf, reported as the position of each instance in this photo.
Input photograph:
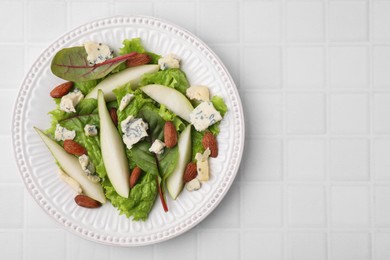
(135, 44)
(141, 199)
(86, 86)
(174, 78)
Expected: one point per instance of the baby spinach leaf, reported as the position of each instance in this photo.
(72, 64)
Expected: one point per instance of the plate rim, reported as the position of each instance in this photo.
(25, 88)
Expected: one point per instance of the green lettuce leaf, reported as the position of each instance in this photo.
(86, 86)
(141, 199)
(174, 78)
(135, 44)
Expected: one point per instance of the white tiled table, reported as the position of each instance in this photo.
(314, 78)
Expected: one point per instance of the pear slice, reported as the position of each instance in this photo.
(113, 151)
(70, 164)
(131, 75)
(175, 181)
(171, 98)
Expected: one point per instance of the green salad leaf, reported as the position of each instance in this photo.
(141, 199)
(174, 78)
(72, 64)
(135, 45)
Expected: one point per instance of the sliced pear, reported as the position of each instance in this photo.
(175, 181)
(70, 164)
(113, 151)
(131, 75)
(171, 98)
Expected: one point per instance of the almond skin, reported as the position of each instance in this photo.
(209, 141)
(114, 116)
(170, 134)
(134, 176)
(61, 90)
(138, 60)
(74, 148)
(190, 172)
(86, 202)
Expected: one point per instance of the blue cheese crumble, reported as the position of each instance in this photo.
(157, 147)
(198, 92)
(134, 129)
(62, 134)
(90, 130)
(88, 168)
(204, 115)
(170, 61)
(125, 101)
(71, 100)
(97, 52)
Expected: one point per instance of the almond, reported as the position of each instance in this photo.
(73, 147)
(170, 134)
(114, 116)
(61, 90)
(190, 172)
(134, 176)
(86, 202)
(209, 141)
(138, 59)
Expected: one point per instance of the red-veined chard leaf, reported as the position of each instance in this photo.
(72, 64)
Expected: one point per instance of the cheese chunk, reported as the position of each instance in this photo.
(97, 52)
(134, 129)
(70, 181)
(200, 93)
(90, 130)
(125, 101)
(88, 168)
(70, 101)
(170, 61)
(157, 147)
(62, 134)
(204, 115)
(192, 185)
(202, 165)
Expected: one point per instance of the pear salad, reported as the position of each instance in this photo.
(128, 127)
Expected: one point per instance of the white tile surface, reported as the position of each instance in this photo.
(314, 78)
(305, 21)
(306, 159)
(306, 206)
(305, 113)
(348, 67)
(349, 206)
(262, 245)
(352, 245)
(305, 67)
(306, 246)
(349, 113)
(348, 21)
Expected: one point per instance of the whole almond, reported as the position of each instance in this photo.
(61, 90)
(134, 176)
(138, 60)
(86, 202)
(209, 141)
(114, 116)
(190, 172)
(170, 134)
(73, 147)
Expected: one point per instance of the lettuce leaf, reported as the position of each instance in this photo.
(141, 199)
(135, 44)
(86, 86)
(174, 78)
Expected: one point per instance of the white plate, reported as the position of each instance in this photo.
(105, 225)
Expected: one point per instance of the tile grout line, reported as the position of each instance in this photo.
(283, 51)
(328, 126)
(370, 120)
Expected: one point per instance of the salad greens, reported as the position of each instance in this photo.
(70, 64)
